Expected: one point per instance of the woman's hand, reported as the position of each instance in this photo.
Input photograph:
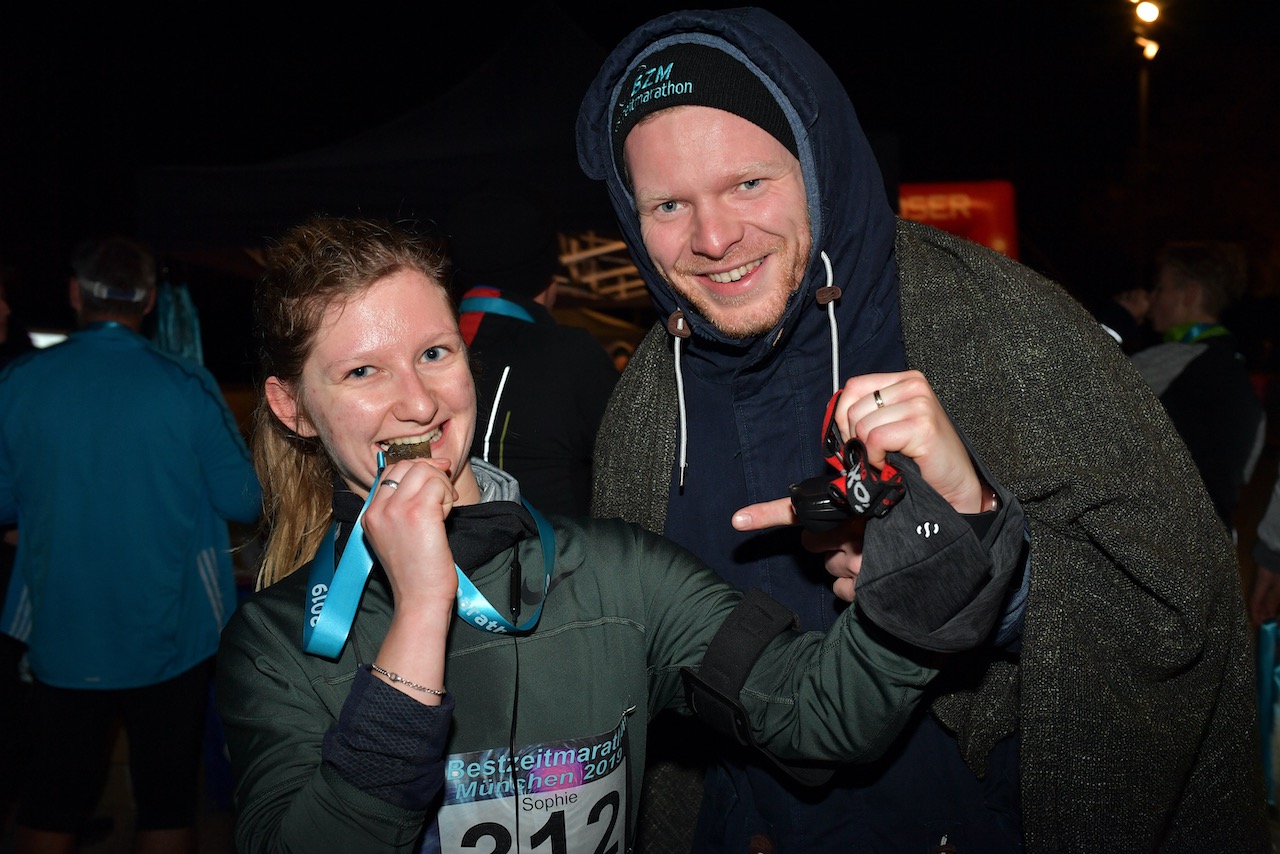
(405, 526)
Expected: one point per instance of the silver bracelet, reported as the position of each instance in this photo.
(396, 677)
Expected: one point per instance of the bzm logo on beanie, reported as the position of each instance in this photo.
(643, 91)
(698, 75)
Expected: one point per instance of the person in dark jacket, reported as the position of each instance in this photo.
(1198, 370)
(1123, 720)
(542, 386)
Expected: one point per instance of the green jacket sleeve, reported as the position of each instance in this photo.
(277, 704)
(842, 696)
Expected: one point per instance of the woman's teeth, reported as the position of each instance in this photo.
(414, 447)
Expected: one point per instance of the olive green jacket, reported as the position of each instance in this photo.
(625, 613)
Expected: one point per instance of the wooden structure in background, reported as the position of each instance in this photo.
(599, 270)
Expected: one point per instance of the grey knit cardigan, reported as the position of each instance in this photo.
(1134, 693)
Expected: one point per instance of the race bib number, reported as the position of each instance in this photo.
(560, 798)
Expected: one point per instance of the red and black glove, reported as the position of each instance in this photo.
(861, 489)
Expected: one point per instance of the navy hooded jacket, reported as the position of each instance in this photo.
(755, 405)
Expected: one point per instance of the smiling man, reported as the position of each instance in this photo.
(756, 214)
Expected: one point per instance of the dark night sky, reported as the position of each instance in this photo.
(1040, 92)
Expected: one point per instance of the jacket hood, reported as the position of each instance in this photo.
(749, 412)
(851, 220)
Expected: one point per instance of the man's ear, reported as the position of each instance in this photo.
(282, 402)
(73, 294)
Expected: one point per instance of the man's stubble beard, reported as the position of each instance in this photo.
(713, 310)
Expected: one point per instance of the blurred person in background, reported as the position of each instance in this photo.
(14, 341)
(123, 465)
(1122, 314)
(542, 386)
(1198, 369)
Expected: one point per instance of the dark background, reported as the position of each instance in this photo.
(1042, 94)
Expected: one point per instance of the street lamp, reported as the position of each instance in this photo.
(1145, 13)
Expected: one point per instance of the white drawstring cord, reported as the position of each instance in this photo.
(493, 413)
(835, 335)
(684, 434)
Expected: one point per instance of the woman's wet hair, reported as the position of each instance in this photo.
(315, 264)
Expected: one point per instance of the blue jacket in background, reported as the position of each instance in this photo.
(121, 465)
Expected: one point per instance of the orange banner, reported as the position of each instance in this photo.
(981, 211)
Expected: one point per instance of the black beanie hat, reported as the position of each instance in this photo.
(503, 239)
(701, 75)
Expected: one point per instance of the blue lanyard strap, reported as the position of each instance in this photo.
(475, 609)
(495, 305)
(334, 595)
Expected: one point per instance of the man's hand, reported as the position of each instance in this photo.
(907, 418)
(891, 412)
(842, 545)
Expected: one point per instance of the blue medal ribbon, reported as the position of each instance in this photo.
(333, 595)
(476, 610)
